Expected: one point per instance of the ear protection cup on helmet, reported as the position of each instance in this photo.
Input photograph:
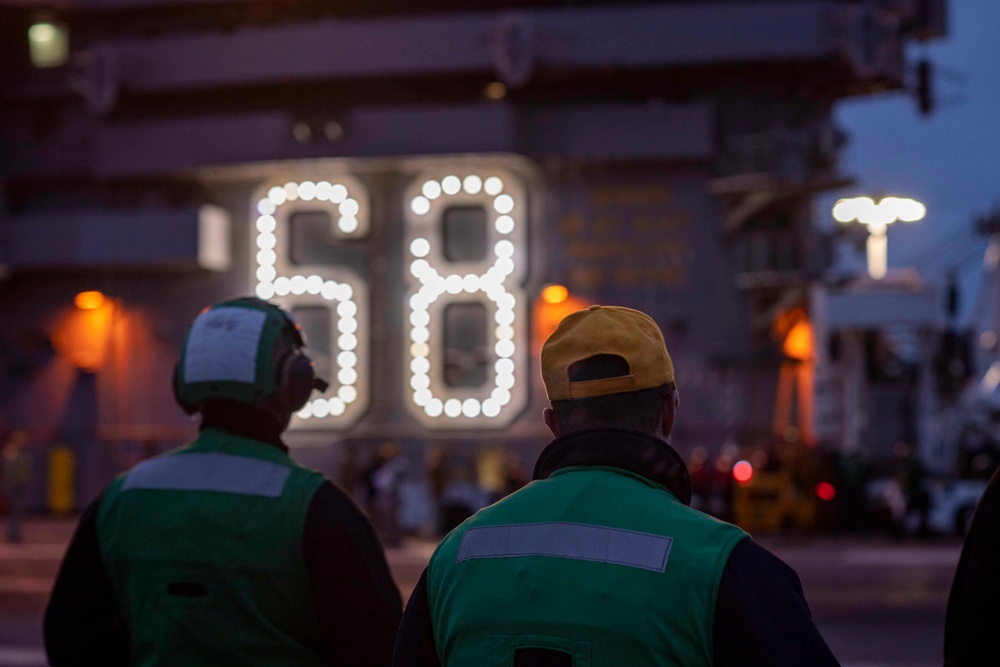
(296, 380)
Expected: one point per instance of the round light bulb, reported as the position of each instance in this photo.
(493, 186)
(503, 204)
(431, 189)
(338, 193)
(420, 205)
(266, 224)
(504, 224)
(472, 184)
(347, 376)
(347, 342)
(347, 309)
(419, 247)
(349, 208)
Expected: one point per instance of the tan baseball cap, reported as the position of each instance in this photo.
(624, 332)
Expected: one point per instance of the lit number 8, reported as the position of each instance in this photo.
(467, 335)
(311, 284)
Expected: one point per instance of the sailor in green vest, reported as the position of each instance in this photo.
(599, 561)
(225, 551)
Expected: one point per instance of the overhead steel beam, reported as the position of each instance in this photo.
(877, 305)
(510, 45)
(580, 132)
(192, 237)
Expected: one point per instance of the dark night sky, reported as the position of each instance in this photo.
(950, 160)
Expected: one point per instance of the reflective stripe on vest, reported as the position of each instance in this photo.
(576, 541)
(209, 471)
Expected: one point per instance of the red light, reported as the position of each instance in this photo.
(825, 491)
(742, 471)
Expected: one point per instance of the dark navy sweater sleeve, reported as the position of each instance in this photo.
(761, 615)
(973, 615)
(358, 603)
(415, 641)
(82, 624)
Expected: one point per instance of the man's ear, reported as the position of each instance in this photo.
(669, 413)
(549, 415)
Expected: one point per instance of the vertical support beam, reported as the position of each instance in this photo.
(805, 377)
(878, 252)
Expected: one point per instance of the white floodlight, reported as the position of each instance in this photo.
(877, 218)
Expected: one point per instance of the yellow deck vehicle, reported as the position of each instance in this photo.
(779, 488)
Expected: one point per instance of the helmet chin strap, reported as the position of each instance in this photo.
(284, 416)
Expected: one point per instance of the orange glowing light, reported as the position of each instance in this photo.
(548, 314)
(82, 333)
(555, 294)
(89, 300)
(799, 341)
(794, 402)
(825, 491)
(742, 472)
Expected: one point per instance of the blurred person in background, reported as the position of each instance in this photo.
(600, 560)
(226, 551)
(16, 476)
(382, 480)
(462, 495)
(912, 478)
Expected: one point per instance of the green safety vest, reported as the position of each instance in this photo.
(594, 561)
(203, 547)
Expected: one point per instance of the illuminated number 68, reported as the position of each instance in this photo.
(338, 291)
(467, 342)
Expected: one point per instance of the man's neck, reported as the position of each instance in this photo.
(244, 420)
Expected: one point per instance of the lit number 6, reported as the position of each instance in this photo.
(309, 284)
(468, 332)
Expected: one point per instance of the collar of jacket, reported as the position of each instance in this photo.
(636, 452)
